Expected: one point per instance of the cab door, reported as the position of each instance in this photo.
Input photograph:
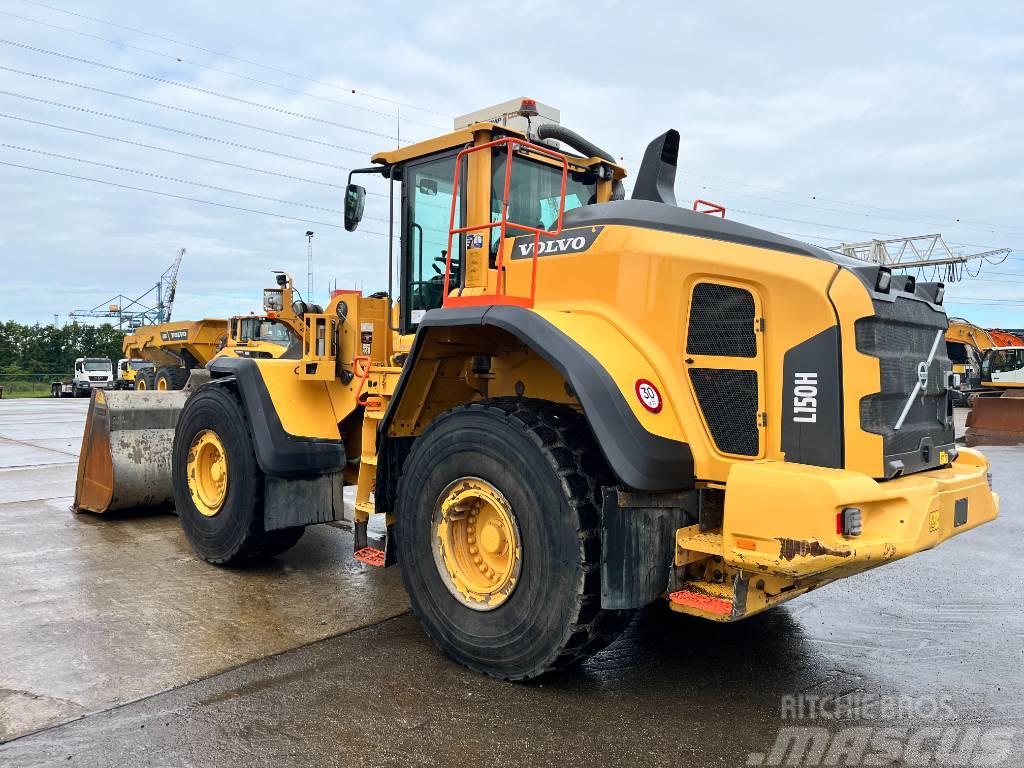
(724, 362)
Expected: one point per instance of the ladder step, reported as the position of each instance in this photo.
(702, 601)
(692, 539)
(370, 461)
(366, 506)
(370, 556)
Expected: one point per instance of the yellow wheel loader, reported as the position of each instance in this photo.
(581, 404)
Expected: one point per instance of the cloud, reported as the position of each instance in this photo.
(905, 108)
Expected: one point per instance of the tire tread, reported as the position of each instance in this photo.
(565, 440)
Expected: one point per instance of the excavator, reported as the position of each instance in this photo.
(572, 405)
(965, 345)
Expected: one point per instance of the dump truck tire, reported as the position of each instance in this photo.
(145, 380)
(170, 378)
(539, 463)
(223, 525)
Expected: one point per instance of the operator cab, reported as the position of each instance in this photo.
(256, 331)
(531, 197)
(1003, 367)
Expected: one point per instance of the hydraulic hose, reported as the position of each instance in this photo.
(584, 147)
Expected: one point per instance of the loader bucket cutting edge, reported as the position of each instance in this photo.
(125, 461)
(996, 421)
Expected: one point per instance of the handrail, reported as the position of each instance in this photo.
(709, 207)
(500, 296)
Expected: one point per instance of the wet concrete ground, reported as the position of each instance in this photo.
(97, 612)
(940, 637)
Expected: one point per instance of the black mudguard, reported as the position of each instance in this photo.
(640, 460)
(278, 453)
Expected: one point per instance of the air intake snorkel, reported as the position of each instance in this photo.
(584, 147)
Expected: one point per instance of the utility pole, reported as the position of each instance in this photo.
(309, 265)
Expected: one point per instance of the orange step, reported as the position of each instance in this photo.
(370, 556)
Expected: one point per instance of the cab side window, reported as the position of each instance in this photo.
(428, 196)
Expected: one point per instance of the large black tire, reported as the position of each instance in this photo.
(145, 380)
(170, 378)
(543, 459)
(235, 535)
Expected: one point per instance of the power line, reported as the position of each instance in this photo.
(173, 151)
(183, 110)
(938, 218)
(190, 134)
(180, 60)
(197, 89)
(163, 177)
(234, 58)
(189, 199)
(979, 227)
(847, 229)
(182, 154)
(168, 178)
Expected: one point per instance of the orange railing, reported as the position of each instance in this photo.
(501, 296)
(706, 206)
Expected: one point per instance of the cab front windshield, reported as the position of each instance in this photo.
(262, 329)
(97, 365)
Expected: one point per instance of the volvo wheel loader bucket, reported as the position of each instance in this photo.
(125, 462)
(996, 421)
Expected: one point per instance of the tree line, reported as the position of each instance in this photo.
(35, 349)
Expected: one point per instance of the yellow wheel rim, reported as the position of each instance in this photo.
(161, 384)
(140, 383)
(475, 539)
(207, 473)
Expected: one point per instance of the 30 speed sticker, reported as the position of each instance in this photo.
(650, 397)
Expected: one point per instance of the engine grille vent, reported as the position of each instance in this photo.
(728, 399)
(721, 322)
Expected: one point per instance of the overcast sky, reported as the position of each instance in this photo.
(830, 122)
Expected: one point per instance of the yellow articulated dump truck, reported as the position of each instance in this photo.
(580, 404)
(174, 349)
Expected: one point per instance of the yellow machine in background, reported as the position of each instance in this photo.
(129, 370)
(966, 344)
(173, 350)
(582, 404)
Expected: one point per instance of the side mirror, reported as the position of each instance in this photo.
(355, 202)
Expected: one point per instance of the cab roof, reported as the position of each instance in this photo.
(464, 136)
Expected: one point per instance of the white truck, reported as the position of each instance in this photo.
(90, 373)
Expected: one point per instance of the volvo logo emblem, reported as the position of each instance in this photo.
(922, 374)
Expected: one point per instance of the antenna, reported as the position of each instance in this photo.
(309, 264)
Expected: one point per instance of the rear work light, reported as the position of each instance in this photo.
(849, 522)
(884, 280)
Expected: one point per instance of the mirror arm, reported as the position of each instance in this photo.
(378, 169)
